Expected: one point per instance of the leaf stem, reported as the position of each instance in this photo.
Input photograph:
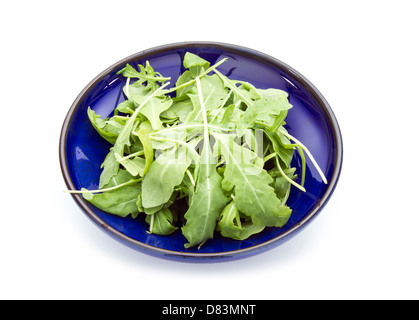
(190, 177)
(138, 153)
(268, 157)
(286, 196)
(299, 145)
(188, 126)
(286, 177)
(105, 189)
(152, 223)
(204, 118)
(308, 154)
(303, 165)
(121, 117)
(127, 88)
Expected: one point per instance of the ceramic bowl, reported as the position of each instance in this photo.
(311, 120)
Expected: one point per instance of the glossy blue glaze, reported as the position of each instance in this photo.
(311, 121)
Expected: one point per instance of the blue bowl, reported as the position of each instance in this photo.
(311, 120)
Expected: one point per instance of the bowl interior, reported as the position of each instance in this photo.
(308, 121)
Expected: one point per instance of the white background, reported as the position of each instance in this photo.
(363, 57)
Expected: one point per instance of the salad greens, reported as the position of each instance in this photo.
(209, 154)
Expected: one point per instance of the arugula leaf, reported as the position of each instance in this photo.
(282, 185)
(110, 168)
(101, 126)
(161, 222)
(144, 136)
(271, 103)
(207, 202)
(253, 194)
(213, 96)
(124, 137)
(230, 224)
(195, 64)
(135, 166)
(145, 75)
(153, 108)
(126, 106)
(180, 109)
(284, 153)
(241, 93)
(185, 78)
(122, 200)
(164, 174)
(136, 93)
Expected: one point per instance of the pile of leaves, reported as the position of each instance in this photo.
(209, 154)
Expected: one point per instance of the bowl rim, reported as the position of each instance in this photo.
(237, 49)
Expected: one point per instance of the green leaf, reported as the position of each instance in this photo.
(124, 138)
(181, 109)
(284, 153)
(126, 106)
(161, 222)
(227, 116)
(110, 168)
(278, 121)
(153, 108)
(153, 210)
(144, 136)
(213, 95)
(101, 126)
(135, 166)
(184, 78)
(271, 104)
(164, 174)
(136, 93)
(240, 93)
(281, 185)
(204, 211)
(253, 194)
(121, 201)
(195, 64)
(230, 224)
(130, 72)
(146, 74)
